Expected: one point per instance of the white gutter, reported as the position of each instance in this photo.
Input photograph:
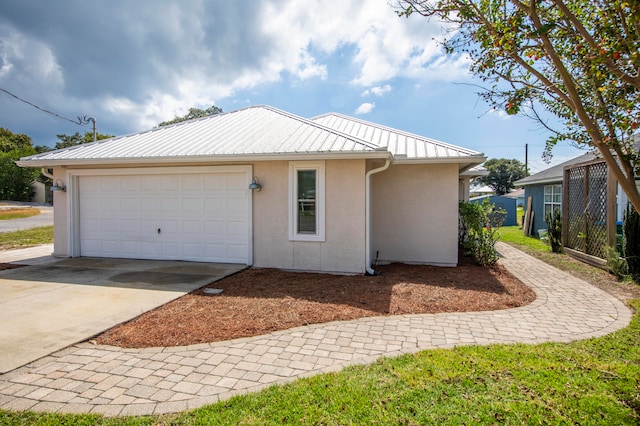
(213, 158)
(367, 216)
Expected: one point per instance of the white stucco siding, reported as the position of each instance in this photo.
(415, 214)
(343, 247)
(60, 214)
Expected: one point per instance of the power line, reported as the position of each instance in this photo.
(79, 122)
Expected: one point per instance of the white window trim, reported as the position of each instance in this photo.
(552, 203)
(294, 167)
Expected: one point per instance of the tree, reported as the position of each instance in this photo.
(194, 113)
(580, 60)
(15, 182)
(10, 141)
(66, 141)
(502, 174)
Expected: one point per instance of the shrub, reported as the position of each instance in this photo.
(617, 265)
(477, 231)
(631, 241)
(554, 230)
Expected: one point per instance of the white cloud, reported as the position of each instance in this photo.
(377, 90)
(499, 113)
(365, 108)
(144, 62)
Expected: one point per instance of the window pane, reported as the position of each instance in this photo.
(306, 217)
(548, 189)
(306, 184)
(306, 201)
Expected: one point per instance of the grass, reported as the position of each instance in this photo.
(18, 213)
(595, 381)
(26, 238)
(514, 235)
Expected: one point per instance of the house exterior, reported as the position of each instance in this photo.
(261, 187)
(502, 202)
(545, 190)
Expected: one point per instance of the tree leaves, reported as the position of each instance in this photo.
(580, 60)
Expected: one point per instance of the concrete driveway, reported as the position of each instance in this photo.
(45, 308)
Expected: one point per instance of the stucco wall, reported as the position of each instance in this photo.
(343, 248)
(415, 214)
(60, 233)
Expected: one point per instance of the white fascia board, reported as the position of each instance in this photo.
(205, 159)
(469, 161)
(552, 179)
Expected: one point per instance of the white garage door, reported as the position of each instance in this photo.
(197, 217)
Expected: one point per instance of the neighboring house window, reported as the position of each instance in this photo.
(552, 198)
(306, 201)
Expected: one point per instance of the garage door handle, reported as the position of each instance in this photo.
(158, 230)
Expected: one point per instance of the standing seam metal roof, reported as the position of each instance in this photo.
(255, 131)
(399, 143)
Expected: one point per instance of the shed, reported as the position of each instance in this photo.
(508, 204)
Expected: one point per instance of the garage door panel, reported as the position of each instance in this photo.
(110, 225)
(202, 217)
(150, 207)
(169, 183)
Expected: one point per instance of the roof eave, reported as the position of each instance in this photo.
(302, 156)
(552, 179)
(464, 162)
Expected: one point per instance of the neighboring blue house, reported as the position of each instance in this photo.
(545, 190)
(508, 204)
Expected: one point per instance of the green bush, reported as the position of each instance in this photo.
(617, 264)
(477, 230)
(15, 182)
(631, 241)
(554, 230)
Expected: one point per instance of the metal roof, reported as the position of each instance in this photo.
(254, 133)
(405, 147)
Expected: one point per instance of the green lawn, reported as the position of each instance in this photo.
(513, 234)
(26, 238)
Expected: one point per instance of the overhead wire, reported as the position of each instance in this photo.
(79, 122)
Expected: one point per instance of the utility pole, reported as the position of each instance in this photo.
(526, 159)
(86, 120)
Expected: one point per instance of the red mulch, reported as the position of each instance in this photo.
(260, 301)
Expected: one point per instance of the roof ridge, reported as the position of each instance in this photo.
(321, 126)
(402, 132)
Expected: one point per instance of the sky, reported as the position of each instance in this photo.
(132, 64)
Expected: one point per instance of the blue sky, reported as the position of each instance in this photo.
(132, 65)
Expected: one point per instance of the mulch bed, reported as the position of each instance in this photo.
(260, 301)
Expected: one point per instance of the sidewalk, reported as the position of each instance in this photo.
(114, 381)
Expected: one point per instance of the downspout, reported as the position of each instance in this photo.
(45, 171)
(367, 216)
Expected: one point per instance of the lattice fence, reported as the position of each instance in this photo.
(586, 208)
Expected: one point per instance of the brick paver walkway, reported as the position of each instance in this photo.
(114, 381)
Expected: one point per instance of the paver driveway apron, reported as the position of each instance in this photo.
(114, 381)
(44, 308)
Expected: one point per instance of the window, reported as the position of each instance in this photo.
(306, 201)
(552, 198)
